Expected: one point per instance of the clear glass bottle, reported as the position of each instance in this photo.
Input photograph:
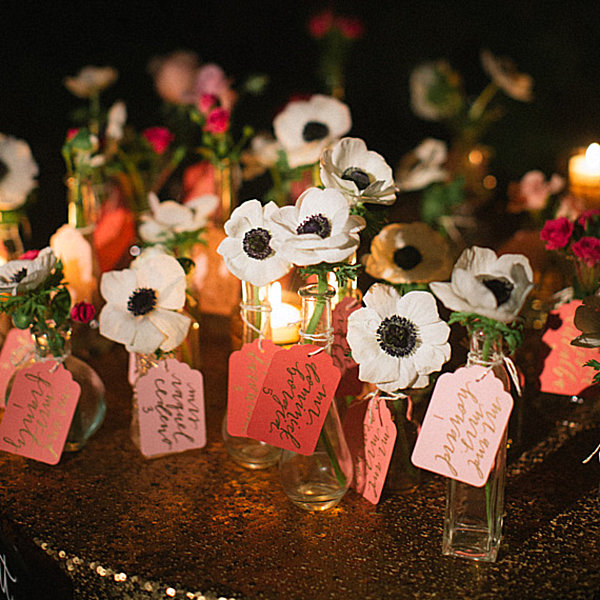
(11, 244)
(318, 482)
(474, 515)
(255, 312)
(91, 406)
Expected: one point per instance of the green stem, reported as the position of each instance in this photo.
(479, 106)
(310, 329)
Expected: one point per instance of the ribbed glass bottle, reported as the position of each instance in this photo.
(474, 515)
(255, 312)
(319, 481)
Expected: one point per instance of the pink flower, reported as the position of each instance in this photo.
(351, 27)
(207, 102)
(159, 138)
(71, 133)
(29, 255)
(83, 312)
(570, 206)
(588, 249)
(174, 76)
(533, 191)
(211, 79)
(320, 24)
(587, 216)
(217, 121)
(557, 233)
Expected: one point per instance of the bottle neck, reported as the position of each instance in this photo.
(317, 328)
(52, 344)
(484, 350)
(255, 311)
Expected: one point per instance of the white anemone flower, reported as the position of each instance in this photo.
(504, 74)
(318, 228)
(304, 128)
(248, 248)
(142, 305)
(435, 91)
(487, 285)
(18, 170)
(90, 81)
(24, 275)
(398, 341)
(408, 253)
(423, 166)
(360, 174)
(170, 217)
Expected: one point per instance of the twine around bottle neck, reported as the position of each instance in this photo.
(264, 310)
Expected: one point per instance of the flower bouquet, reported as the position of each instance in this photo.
(34, 294)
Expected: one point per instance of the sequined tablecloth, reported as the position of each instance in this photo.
(105, 523)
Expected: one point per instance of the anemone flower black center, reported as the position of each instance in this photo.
(314, 130)
(408, 257)
(501, 288)
(358, 176)
(318, 224)
(19, 275)
(397, 336)
(3, 169)
(256, 243)
(141, 301)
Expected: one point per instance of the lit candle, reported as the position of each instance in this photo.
(584, 175)
(285, 318)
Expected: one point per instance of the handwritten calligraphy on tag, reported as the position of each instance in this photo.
(247, 370)
(171, 409)
(39, 412)
(463, 426)
(379, 438)
(17, 347)
(563, 371)
(293, 402)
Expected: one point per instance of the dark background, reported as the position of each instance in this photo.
(557, 43)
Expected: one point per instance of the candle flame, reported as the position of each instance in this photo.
(592, 156)
(275, 294)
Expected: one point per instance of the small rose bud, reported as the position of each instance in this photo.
(29, 255)
(83, 312)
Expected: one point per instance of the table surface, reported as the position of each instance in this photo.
(197, 525)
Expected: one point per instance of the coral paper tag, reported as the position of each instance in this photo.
(294, 400)
(379, 434)
(171, 409)
(463, 426)
(563, 371)
(39, 412)
(17, 348)
(247, 370)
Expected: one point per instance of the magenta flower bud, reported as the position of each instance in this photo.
(83, 312)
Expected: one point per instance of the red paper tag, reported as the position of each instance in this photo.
(39, 412)
(340, 350)
(247, 370)
(463, 427)
(171, 409)
(563, 371)
(294, 400)
(354, 433)
(379, 438)
(17, 348)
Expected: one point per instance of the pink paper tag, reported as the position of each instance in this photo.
(379, 438)
(462, 430)
(563, 371)
(171, 409)
(294, 400)
(247, 370)
(39, 412)
(17, 348)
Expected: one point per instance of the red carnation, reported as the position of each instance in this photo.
(557, 233)
(217, 121)
(320, 24)
(159, 138)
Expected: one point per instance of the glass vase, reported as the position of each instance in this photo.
(91, 406)
(474, 515)
(255, 313)
(319, 481)
(407, 414)
(11, 243)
